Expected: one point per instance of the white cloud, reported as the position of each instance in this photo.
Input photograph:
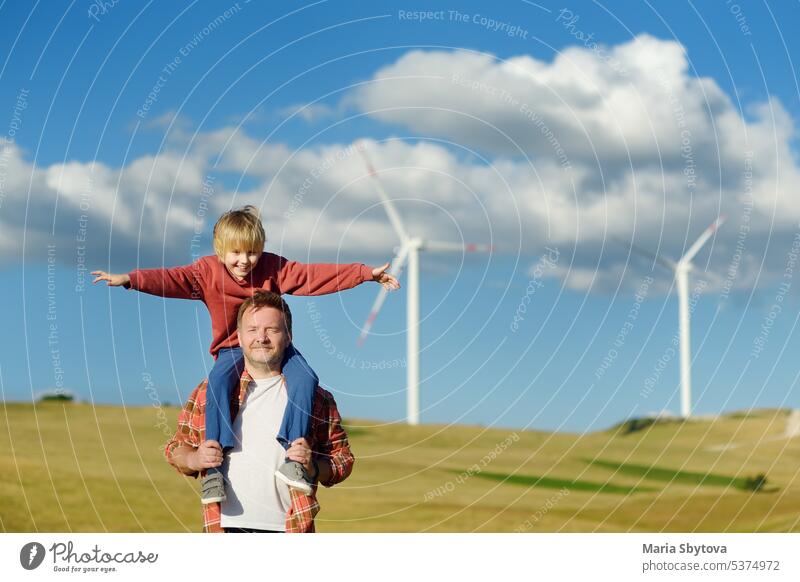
(580, 112)
(309, 112)
(654, 153)
(643, 147)
(592, 110)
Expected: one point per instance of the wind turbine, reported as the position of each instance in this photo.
(682, 268)
(407, 254)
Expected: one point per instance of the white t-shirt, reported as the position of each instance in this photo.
(255, 499)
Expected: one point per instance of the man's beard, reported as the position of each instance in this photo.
(270, 358)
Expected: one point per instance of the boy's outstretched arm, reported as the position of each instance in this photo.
(176, 282)
(111, 280)
(320, 279)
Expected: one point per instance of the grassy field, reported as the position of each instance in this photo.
(74, 467)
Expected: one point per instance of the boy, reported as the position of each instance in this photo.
(223, 282)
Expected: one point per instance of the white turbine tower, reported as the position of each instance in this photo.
(407, 253)
(682, 268)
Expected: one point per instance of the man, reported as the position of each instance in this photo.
(256, 502)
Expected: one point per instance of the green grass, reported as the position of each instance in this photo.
(570, 484)
(74, 467)
(672, 475)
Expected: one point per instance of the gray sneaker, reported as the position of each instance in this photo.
(212, 488)
(295, 476)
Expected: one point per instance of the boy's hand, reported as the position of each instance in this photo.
(389, 281)
(207, 455)
(113, 280)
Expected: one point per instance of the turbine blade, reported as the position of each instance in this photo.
(396, 269)
(373, 314)
(663, 261)
(698, 244)
(394, 217)
(435, 245)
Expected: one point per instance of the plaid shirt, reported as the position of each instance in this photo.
(328, 443)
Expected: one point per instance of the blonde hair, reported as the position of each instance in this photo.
(240, 228)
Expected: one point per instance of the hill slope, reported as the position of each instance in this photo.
(74, 467)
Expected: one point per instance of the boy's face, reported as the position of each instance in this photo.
(240, 262)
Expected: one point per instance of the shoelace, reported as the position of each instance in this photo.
(212, 483)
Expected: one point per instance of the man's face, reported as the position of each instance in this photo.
(263, 336)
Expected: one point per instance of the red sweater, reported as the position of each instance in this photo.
(209, 281)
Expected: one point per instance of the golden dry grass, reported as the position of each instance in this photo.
(74, 467)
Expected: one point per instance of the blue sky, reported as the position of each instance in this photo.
(640, 124)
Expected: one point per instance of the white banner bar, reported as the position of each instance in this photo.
(402, 557)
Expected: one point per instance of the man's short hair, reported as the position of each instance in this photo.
(266, 299)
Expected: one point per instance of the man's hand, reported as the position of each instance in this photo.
(389, 281)
(112, 280)
(207, 455)
(300, 451)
